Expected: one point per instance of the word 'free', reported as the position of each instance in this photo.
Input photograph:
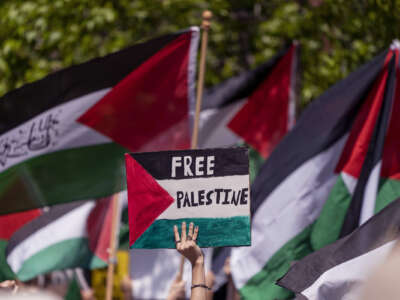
(193, 166)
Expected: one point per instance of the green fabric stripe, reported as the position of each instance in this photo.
(73, 291)
(160, 233)
(329, 224)
(71, 253)
(86, 173)
(5, 271)
(389, 190)
(262, 285)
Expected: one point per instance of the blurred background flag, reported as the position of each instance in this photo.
(369, 167)
(65, 236)
(294, 183)
(55, 131)
(257, 106)
(351, 259)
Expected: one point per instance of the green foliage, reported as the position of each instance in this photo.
(38, 37)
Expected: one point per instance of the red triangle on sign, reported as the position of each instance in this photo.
(146, 198)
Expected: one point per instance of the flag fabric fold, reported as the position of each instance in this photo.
(365, 185)
(335, 271)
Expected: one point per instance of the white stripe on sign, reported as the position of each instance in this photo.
(69, 226)
(330, 283)
(53, 130)
(214, 197)
(294, 204)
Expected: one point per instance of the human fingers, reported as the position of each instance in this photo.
(190, 232)
(176, 233)
(183, 235)
(196, 232)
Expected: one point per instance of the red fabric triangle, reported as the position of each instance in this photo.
(149, 101)
(99, 228)
(146, 199)
(391, 148)
(355, 150)
(12, 222)
(263, 120)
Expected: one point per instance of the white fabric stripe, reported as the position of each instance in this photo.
(71, 225)
(350, 181)
(292, 91)
(370, 193)
(66, 133)
(236, 183)
(330, 284)
(290, 208)
(213, 130)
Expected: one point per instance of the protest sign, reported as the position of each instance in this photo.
(207, 187)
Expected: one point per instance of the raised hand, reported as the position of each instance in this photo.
(186, 244)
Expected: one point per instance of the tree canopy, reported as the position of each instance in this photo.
(38, 37)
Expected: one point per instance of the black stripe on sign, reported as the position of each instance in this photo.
(22, 104)
(55, 212)
(226, 162)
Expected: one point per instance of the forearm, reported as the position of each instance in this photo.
(198, 277)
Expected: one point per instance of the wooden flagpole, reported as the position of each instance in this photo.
(205, 25)
(112, 249)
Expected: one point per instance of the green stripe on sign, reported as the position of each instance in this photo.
(71, 253)
(329, 223)
(262, 285)
(63, 176)
(160, 233)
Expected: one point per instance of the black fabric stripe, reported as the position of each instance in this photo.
(379, 230)
(323, 123)
(227, 162)
(55, 212)
(239, 87)
(32, 99)
(374, 153)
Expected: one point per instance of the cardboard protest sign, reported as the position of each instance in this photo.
(207, 187)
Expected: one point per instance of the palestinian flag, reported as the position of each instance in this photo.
(69, 131)
(337, 270)
(257, 107)
(369, 168)
(164, 190)
(8, 225)
(302, 173)
(66, 236)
